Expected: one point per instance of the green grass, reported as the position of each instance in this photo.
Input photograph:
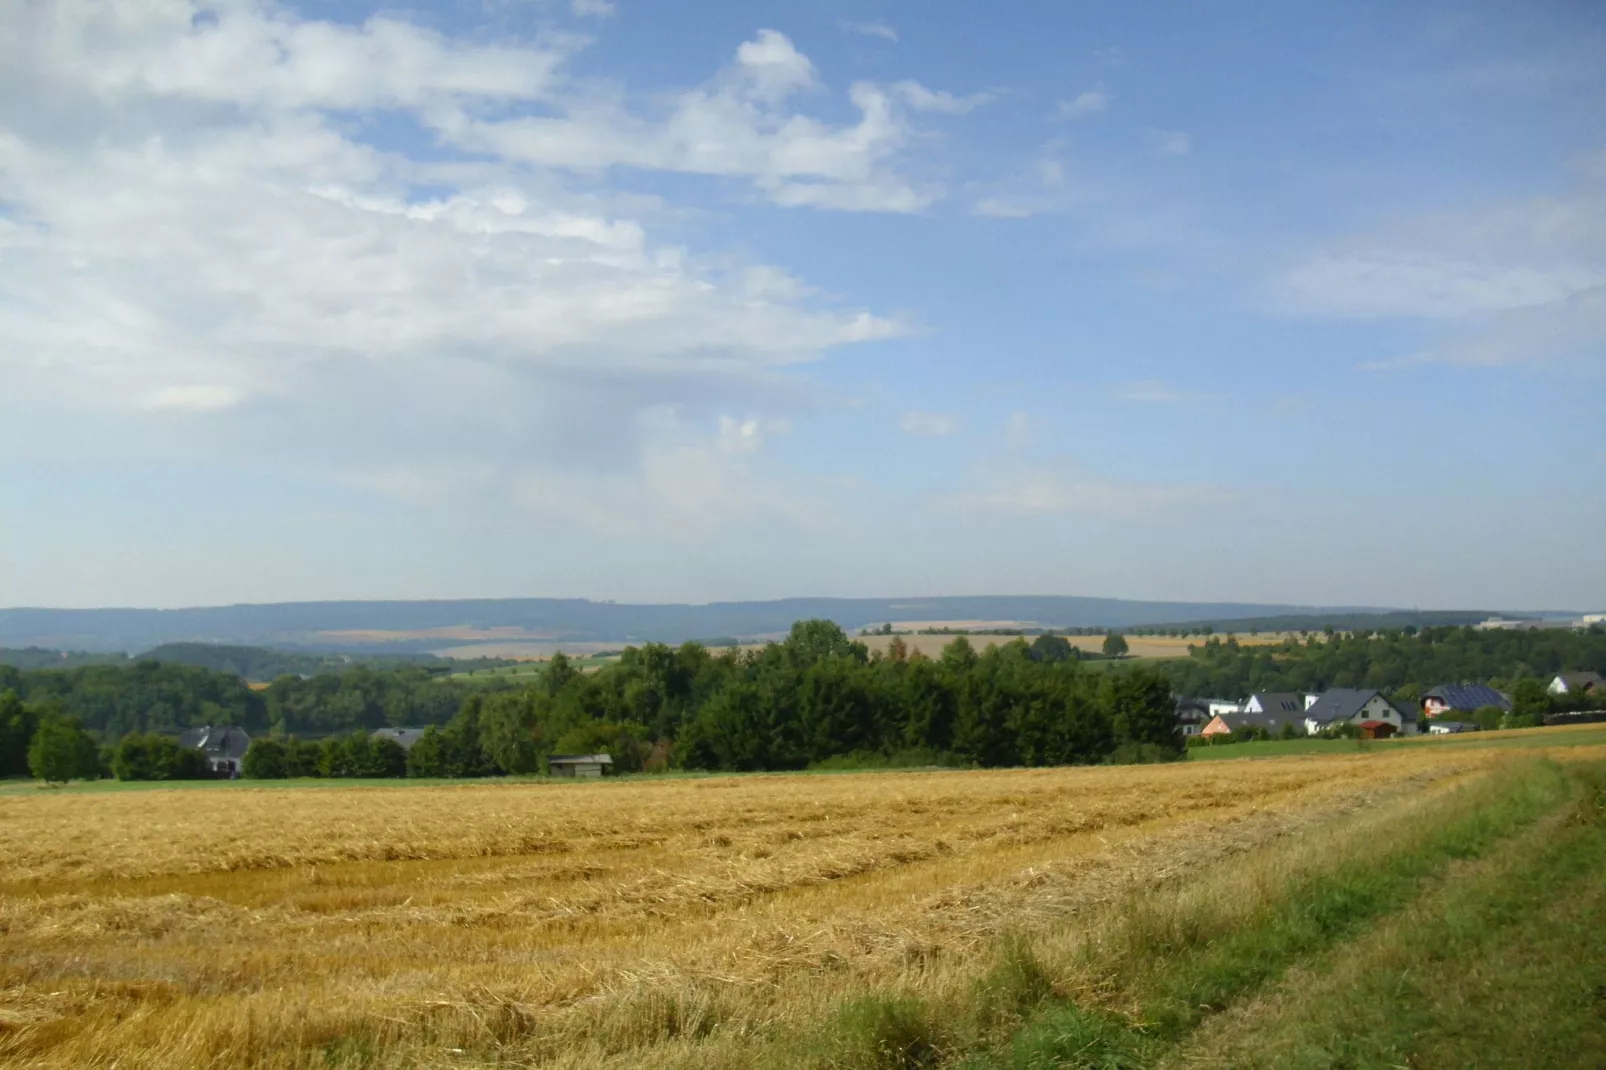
(1389, 945)
(524, 672)
(1505, 966)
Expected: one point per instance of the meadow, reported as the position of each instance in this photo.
(1103, 916)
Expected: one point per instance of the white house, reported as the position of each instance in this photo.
(1575, 683)
(1360, 707)
(1278, 703)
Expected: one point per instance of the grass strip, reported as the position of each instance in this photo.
(1172, 960)
(1505, 968)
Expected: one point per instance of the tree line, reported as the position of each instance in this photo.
(1404, 663)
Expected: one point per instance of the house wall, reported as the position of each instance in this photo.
(1216, 727)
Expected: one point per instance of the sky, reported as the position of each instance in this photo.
(1296, 302)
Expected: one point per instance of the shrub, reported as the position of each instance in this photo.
(61, 751)
(151, 756)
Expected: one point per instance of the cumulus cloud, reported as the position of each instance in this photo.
(1090, 102)
(196, 223)
(740, 124)
(592, 9)
(928, 424)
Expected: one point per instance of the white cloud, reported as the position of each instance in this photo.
(928, 424)
(871, 29)
(1507, 283)
(920, 98)
(1090, 102)
(1060, 488)
(593, 9)
(739, 125)
(195, 223)
(198, 397)
(1155, 392)
(1172, 142)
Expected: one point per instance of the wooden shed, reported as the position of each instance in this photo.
(1377, 730)
(580, 765)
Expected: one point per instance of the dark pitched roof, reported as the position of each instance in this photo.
(1280, 701)
(1342, 704)
(220, 742)
(1268, 721)
(1579, 681)
(1468, 696)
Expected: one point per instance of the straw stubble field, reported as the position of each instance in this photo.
(617, 923)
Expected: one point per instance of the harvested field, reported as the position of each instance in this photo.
(670, 922)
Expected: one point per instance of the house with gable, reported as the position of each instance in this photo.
(223, 749)
(1576, 683)
(1366, 708)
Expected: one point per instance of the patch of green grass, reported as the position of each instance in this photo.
(1506, 967)
(1172, 963)
(882, 1033)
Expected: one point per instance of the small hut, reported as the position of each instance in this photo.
(580, 765)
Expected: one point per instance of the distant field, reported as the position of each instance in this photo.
(1114, 916)
(1137, 646)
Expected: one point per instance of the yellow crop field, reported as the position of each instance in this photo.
(698, 922)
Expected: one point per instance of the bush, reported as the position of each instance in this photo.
(268, 759)
(61, 751)
(150, 756)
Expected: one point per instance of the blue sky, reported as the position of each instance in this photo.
(1296, 302)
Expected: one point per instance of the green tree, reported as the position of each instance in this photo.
(1530, 702)
(1142, 710)
(510, 729)
(61, 750)
(152, 756)
(267, 759)
(1052, 649)
(17, 724)
(1115, 645)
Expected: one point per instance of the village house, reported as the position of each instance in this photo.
(1366, 708)
(1225, 724)
(1277, 703)
(1461, 698)
(223, 749)
(1576, 683)
(579, 765)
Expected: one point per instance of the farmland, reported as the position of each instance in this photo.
(855, 920)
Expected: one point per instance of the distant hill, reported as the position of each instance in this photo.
(35, 657)
(416, 627)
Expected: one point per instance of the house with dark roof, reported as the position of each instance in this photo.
(223, 749)
(1366, 708)
(1225, 724)
(1277, 703)
(1193, 714)
(1446, 727)
(405, 736)
(1576, 683)
(1447, 699)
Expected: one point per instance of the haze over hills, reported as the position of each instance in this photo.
(466, 624)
